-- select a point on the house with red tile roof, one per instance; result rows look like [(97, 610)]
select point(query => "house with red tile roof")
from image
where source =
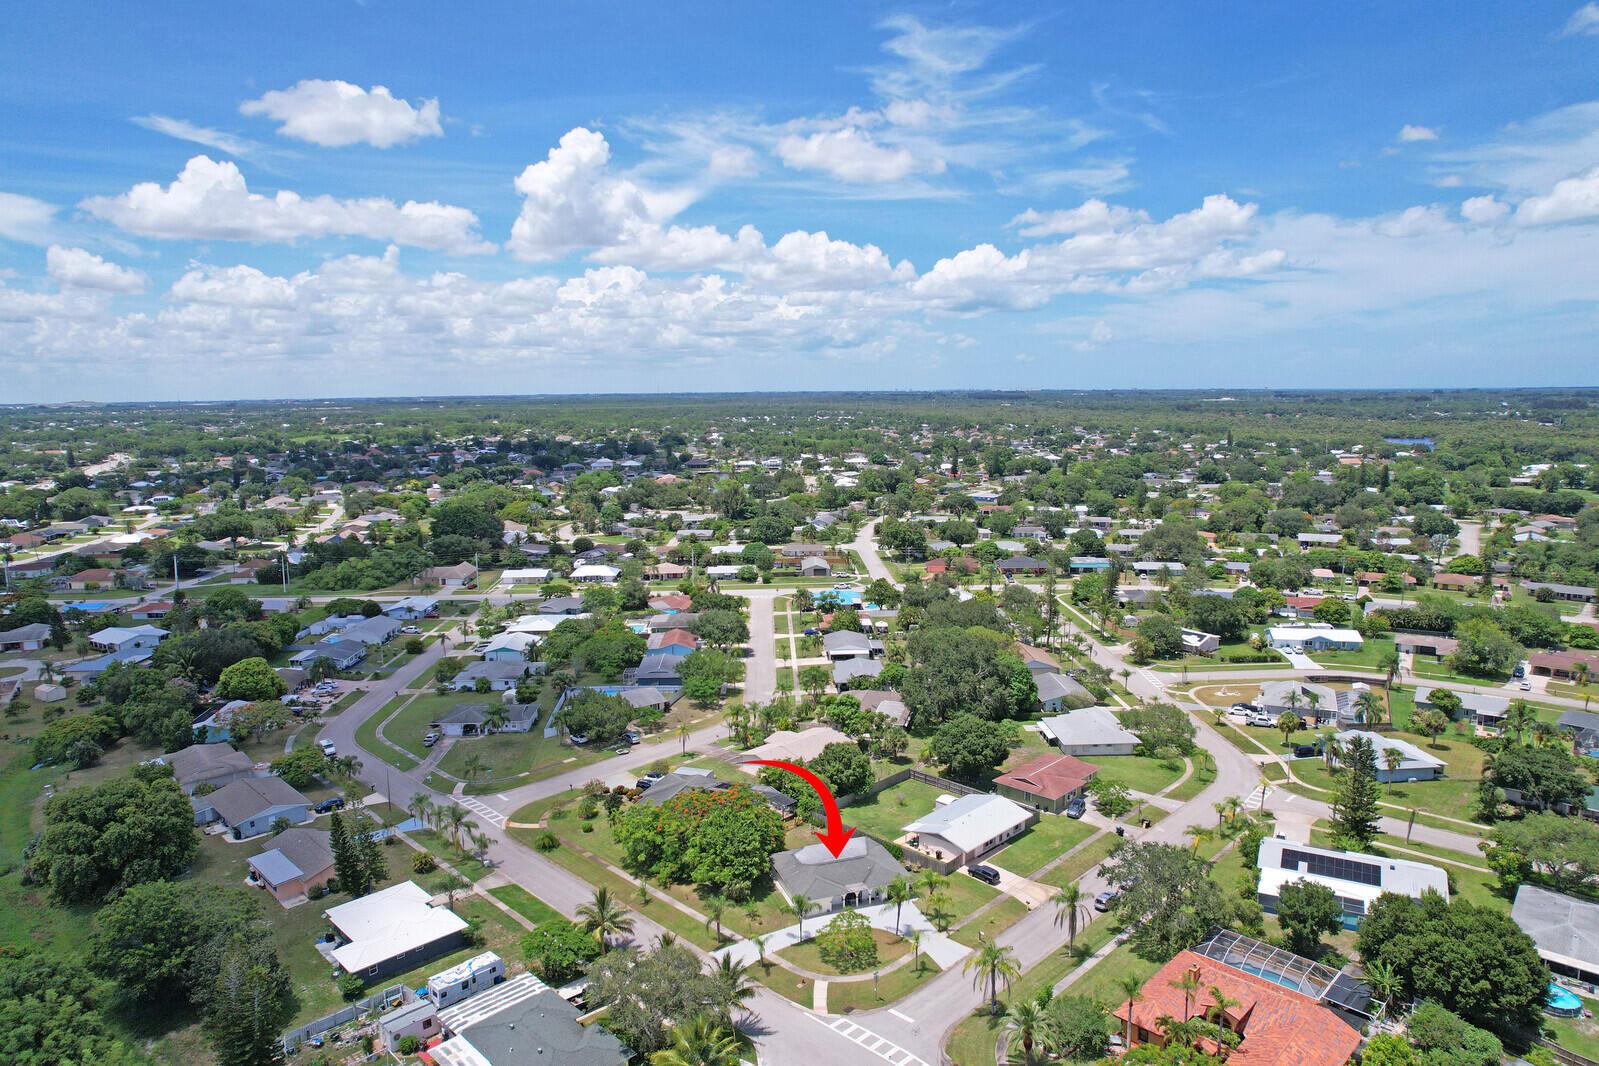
[(1049, 782), (1277, 1025)]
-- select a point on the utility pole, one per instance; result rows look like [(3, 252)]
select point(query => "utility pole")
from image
[(177, 581), (284, 559)]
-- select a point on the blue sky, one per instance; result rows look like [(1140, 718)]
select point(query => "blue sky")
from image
[(246, 200)]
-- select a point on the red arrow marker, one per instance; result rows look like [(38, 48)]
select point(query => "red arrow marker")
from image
[(838, 833)]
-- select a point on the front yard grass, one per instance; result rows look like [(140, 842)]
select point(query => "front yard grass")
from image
[(844, 997), (525, 903), (1053, 835), (998, 918), (1140, 773), (807, 956)]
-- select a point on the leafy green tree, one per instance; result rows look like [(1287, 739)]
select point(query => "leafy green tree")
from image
[(1356, 816), (1543, 776), (560, 950), (124, 832), (1164, 635), (1482, 649), (845, 768), (721, 840), (1077, 1028), (968, 747), (1111, 798), (1166, 897), (595, 715), (302, 766), (1471, 960), (52, 1014), (722, 629), (1386, 1049), (1308, 911), (846, 943), (1562, 851), (158, 940), (1444, 1037), (646, 990), (77, 740)]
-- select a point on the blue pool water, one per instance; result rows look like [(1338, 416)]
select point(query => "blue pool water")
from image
[(1273, 976), (608, 690), (1562, 1002), (90, 606)]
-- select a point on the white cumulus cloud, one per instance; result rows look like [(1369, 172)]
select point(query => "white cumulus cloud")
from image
[(335, 114), (1409, 133), (80, 269), (849, 154), (1483, 210), (209, 200), (1570, 199)]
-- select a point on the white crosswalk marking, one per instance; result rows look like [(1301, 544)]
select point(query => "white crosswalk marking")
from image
[(877, 1045), (482, 810), (1258, 797)]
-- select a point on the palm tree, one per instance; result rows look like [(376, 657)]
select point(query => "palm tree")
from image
[(605, 917), (1132, 990), (914, 939), (1025, 1019), (1543, 733), (1384, 982), (495, 717), (703, 1041), (1582, 682), (715, 906), (1070, 903), (451, 819), (1198, 834), (1389, 665), (898, 892), (992, 963), (1371, 709), (1393, 759), (1517, 718), (929, 881), (473, 767), (759, 940), (420, 808), (1189, 983), (733, 985), (800, 906), (1186, 1033), (1220, 1005)]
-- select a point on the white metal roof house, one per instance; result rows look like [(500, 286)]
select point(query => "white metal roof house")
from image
[(1089, 731), (595, 573), (971, 826), (118, 638), (1314, 638), (1356, 879), (393, 930), (1414, 764)]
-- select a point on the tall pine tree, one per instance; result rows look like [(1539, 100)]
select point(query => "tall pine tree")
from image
[(249, 1004), (373, 868), (346, 859), (1355, 814)]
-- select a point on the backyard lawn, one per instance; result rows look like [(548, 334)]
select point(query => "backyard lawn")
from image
[(1052, 836), (1368, 657), (886, 814)]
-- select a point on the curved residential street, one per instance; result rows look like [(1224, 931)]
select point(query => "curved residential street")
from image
[(912, 1030)]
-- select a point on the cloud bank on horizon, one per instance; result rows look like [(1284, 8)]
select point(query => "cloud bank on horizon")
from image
[(912, 203)]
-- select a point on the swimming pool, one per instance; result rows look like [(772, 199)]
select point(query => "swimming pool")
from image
[(87, 606), (1562, 1003)]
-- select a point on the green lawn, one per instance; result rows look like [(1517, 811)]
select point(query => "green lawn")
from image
[(1138, 772), (525, 903), (843, 997), (886, 814), (366, 735), (992, 922), (1453, 796), (1091, 855), (1052, 836), (1579, 1035), (1369, 657), (806, 955)]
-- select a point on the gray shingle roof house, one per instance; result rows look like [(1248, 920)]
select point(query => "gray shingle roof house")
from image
[(468, 719), (1089, 731), (846, 671), (1566, 930), (249, 806), (691, 779), (846, 644), (501, 674), (855, 878), (518, 1023), (207, 764)]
